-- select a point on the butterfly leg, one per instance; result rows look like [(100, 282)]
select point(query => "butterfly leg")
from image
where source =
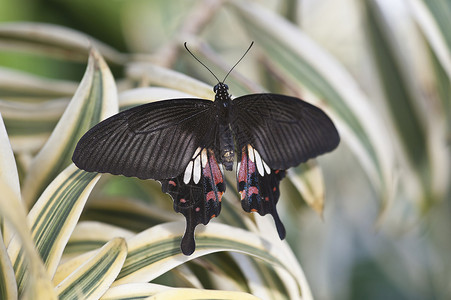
[(258, 186)]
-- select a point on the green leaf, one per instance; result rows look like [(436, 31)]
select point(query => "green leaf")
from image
[(91, 279), (13, 212), (433, 16), (169, 78), (94, 100), (54, 40), (420, 132), (30, 124), (54, 217), (21, 86), (157, 250), (308, 180), (185, 293), (8, 285), (91, 235), (144, 290)]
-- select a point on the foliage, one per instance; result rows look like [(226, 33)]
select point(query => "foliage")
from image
[(90, 236)]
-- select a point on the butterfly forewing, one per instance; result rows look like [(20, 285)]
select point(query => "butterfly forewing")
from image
[(155, 140), (285, 130)]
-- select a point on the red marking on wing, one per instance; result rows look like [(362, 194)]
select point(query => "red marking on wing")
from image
[(210, 196), (214, 177), (182, 200), (212, 168), (242, 172), (172, 182), (253, 190), (250, 191), (246, 167)]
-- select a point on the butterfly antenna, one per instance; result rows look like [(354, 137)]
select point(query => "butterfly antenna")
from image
[(186, 47), (250, 46)]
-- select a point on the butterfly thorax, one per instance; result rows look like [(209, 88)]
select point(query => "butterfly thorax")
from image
[(223, 104)]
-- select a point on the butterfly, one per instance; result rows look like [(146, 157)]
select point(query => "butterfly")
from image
[(186, 144)]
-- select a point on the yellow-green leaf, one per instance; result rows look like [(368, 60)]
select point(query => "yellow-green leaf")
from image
[(308, 179), (152, 74), (157, 250), (94, 100), (53, 218), (13, 212), (154, 291), (8, 285), (53, 39), (94, 277)]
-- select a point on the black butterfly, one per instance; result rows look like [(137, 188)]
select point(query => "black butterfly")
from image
[(186, 144)]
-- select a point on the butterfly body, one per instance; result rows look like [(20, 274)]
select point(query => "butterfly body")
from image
[(186, 144), (223, 104)]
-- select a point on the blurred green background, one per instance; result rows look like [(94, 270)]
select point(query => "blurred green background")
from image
[(364, 248)]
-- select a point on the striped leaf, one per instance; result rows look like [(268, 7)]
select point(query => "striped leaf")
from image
[(92, 278), (157, 250), (433, 16), (94, 100), (170, 79), (53, 218), (420, 133), (21, 86), (55, 40), (8, 285), (30, 124), (13, 212), (144, 290), (308, 180)]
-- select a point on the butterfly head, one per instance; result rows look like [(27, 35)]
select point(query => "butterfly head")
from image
[(221, 88), (222, 92)]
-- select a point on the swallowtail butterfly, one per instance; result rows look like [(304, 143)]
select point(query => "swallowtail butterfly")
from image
[(187, 143)]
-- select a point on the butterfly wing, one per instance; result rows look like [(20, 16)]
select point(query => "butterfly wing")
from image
[(258, 186), (154, 140), (286, 130), (273, 133), (197, 193)]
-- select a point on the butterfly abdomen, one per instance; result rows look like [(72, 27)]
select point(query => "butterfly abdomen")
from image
[(227, 153)]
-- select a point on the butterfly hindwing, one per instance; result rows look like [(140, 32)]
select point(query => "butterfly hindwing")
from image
[(286, 130), (154, 140), (258, 186), (197, 193)]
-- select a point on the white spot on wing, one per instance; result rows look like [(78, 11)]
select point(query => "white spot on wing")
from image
[(188, 173), (204, 158), (196, 172), (267, 168), (258, 161), (196, 152), (238, 166), (250, 151)]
